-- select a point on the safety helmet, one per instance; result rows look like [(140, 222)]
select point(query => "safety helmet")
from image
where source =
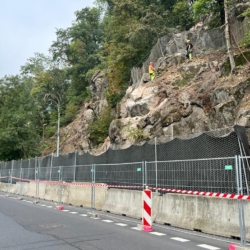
[(188, 41), (151, 63)]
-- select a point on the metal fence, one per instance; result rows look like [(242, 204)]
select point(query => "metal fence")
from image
[(208, 175)]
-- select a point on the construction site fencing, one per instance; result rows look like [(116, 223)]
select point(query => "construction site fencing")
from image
[(197, 163), (208, 175)]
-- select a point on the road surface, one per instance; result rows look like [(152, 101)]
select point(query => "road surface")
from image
[(25, 226)]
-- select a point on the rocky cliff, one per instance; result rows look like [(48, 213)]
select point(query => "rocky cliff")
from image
[(186, 99)]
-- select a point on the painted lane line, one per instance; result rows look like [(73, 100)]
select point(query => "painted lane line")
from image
[(85, 215), (179, 239), (121, 224), (156, 233), (108, 221), (49, 206), (94, 218), (136, 228), (208, 247), (43, 205), (65, 210), (73, 212)]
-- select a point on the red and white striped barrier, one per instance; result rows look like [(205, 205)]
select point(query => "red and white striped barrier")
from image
[(147, 210), (210, 194)]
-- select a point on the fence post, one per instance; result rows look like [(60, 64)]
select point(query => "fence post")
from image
[(59, 186), (156, 167), (21, 170), (146, 176), (12, 166), (8, 189), (143, 173), (37, 180), (75, 166), (240, 202), (93, 188), (51, 164)]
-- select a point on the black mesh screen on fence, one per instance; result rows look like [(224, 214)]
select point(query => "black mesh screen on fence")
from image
[(125, 167), (203, 146)]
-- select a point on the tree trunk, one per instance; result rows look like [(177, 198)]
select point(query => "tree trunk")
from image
[(227, 36)]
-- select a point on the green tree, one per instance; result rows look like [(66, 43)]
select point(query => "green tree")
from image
[(19, 133), (246, 40), (210, 10), (78, 47)]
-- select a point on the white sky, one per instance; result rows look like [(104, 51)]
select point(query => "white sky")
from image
[(29, 26)]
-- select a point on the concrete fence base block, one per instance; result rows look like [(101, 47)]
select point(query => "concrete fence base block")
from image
[(238, 247), (60, 207), (93, 215)]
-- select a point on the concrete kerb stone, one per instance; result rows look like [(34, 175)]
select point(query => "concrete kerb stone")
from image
[(93, 215)]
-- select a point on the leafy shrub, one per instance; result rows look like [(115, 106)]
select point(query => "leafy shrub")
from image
[(70, 114), (98, 128)]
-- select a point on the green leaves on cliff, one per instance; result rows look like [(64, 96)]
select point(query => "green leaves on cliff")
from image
[(98, 127)]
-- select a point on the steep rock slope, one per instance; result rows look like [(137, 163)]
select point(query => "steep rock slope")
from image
[(185, 100)]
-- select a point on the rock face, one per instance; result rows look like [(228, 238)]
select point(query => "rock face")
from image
[(75, 135), (186, 99)]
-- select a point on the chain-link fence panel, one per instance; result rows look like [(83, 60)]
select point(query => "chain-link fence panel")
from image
[(208, 175), (5, 173), (44, 174), (68, 173), (123, 174), (244, 165), (83, 173), (55, 174), (28, 173)]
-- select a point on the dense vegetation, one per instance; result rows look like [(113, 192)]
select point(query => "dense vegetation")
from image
[(112, 36)]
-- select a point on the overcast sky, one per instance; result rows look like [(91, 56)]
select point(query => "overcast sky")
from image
[(29, 26)]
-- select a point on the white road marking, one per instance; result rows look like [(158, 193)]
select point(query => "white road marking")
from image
[(108, 221), (136, 228), (208, 247), (158, 234), (121, 224), (65, 210), (179, 239), (85, 215), (94, 218), (49, 206), (73, 212)]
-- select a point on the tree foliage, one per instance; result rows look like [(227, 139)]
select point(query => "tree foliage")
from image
[(19, 132), (113, 36), (78, 47)]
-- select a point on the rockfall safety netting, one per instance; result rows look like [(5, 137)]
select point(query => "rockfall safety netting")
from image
[(203, 41), (207, 162)]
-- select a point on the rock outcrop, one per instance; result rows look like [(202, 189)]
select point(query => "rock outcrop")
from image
[(187, 98)]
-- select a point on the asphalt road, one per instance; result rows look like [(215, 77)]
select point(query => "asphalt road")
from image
[(26, 226)]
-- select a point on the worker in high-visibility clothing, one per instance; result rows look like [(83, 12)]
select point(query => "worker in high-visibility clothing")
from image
[(189, 50), (151, 71)]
